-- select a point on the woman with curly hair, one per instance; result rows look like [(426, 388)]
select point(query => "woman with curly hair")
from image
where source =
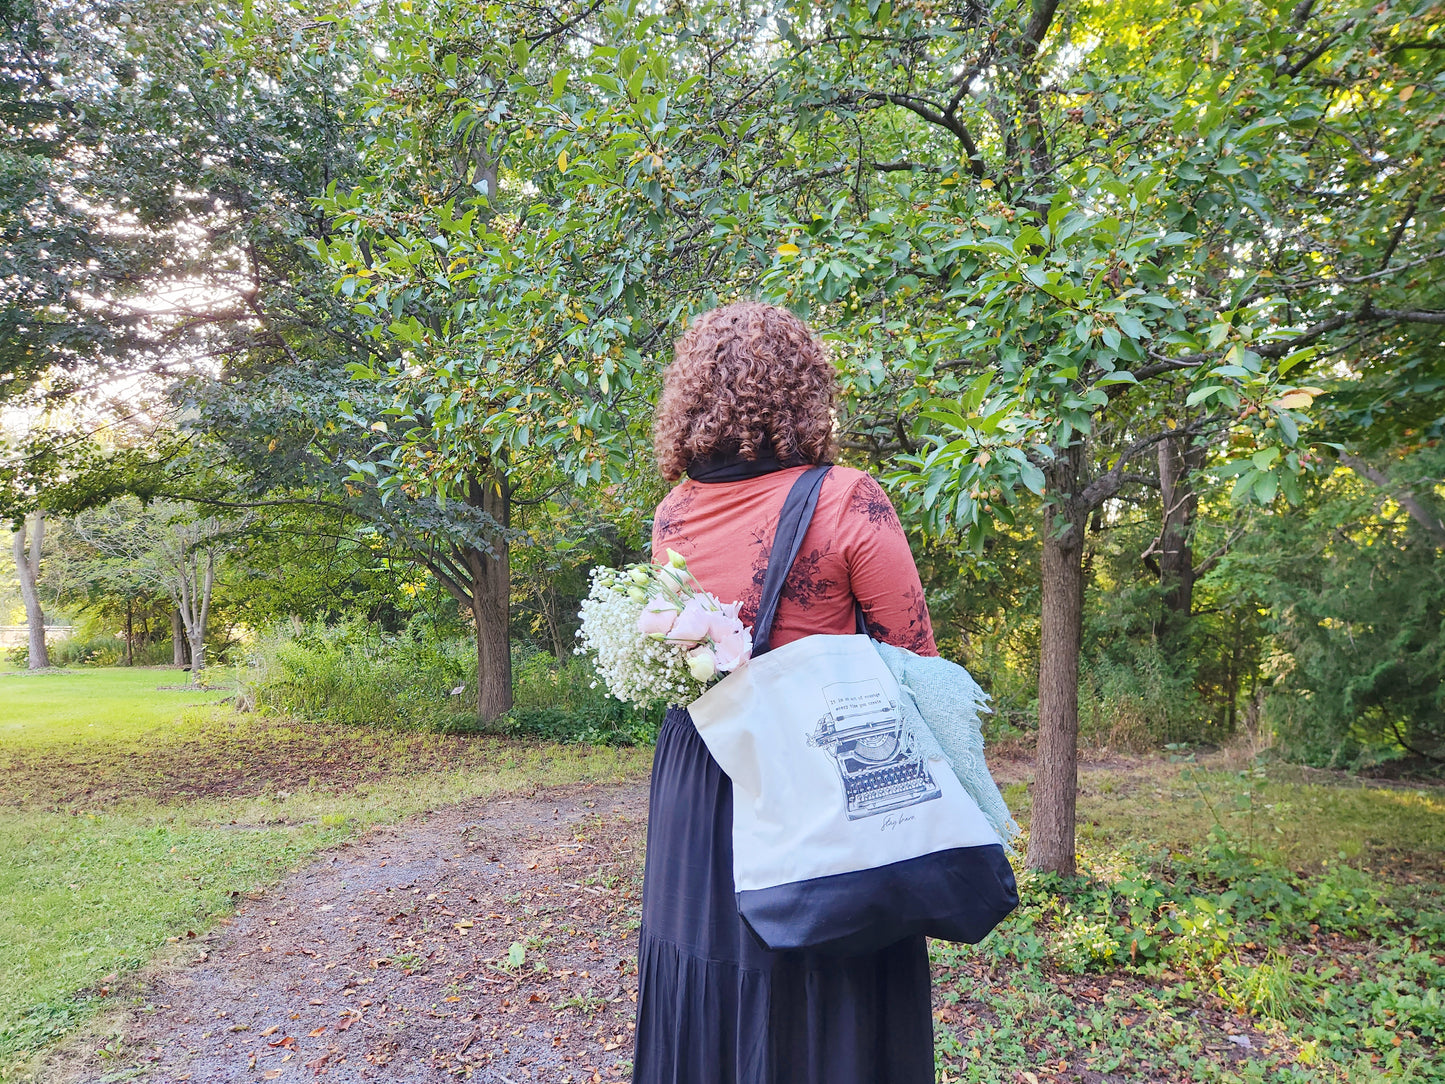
[(747, 406)]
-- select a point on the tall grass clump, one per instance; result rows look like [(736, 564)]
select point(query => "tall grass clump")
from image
[(99, 649), (1134, 699), (351, 673)]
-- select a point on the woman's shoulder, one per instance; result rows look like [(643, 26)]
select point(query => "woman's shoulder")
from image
[(848, 479), (859, 497), (674, 506)]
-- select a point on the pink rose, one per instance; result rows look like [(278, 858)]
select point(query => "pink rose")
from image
[(720, 623), (658, 617)]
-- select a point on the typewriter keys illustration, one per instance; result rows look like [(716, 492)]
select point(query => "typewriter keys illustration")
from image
[(879, 768)]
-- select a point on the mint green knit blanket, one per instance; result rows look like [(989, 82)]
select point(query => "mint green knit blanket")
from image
[(941, 704)]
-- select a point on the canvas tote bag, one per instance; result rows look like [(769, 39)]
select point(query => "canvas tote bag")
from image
[(845, 839)]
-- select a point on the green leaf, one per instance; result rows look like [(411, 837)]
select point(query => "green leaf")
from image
[(1131, 326), (516, 955), (1243, 486), (1032, 478), (1288, 428), (1198, 395), (1265, 487), (977, 390)]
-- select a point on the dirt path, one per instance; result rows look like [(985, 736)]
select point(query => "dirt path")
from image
[(492, 941)]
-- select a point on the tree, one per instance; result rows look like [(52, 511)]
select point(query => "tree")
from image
[(1355, 597), (173, 549), (528, 229), (1056, 245), (108, 590), (65, 273), (269, 118)]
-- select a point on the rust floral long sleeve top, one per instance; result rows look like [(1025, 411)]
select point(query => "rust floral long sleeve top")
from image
[(855, 548)]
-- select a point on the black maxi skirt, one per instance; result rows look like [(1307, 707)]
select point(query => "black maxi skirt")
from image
[(714, 1005)]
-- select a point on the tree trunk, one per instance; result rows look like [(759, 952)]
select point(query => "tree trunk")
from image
[(178, 640), (1233, 677), (491, 600), (129, 631), (560, 650), (1177, 463), (197, 639), (27, 568), (196, 583), (1051, 827)]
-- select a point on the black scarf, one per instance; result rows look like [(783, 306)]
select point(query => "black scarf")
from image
[(731, 467)]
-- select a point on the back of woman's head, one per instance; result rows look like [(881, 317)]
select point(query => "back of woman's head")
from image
[(749, 380)]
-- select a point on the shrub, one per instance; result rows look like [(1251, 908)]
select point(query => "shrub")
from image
[(352, 674), (1134, 699), (564, 702), (159, 653), (101, 649)]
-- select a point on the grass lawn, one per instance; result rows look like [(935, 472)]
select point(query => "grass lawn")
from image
[(131, 815), (50, 709)]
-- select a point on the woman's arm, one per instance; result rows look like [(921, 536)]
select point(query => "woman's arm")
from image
[(881, 570)]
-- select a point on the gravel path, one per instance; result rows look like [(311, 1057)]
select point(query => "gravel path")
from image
[(492, 941)]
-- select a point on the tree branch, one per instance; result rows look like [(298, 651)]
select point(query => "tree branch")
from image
[(446, 575), (1400, 230), (1318, 51), (1164, 365), (939, 115), (1409, 316), (1207, 565), (1434, 526), (1111, 481), (1400, 737), (1037, 28), (1307, 336)]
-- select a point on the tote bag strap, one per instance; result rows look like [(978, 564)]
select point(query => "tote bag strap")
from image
[(797, 513)]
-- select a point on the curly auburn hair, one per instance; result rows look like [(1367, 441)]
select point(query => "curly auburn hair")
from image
[(747, 379)]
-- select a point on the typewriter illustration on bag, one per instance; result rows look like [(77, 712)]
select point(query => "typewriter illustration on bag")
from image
[(864, 733)]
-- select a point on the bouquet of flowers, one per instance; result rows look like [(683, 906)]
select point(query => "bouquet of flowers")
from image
[(655, 634)]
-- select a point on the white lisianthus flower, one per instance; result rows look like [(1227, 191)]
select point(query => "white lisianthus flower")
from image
[(701, 663)]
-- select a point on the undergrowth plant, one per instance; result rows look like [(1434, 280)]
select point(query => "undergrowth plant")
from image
[(352, 674), (1341, 973)]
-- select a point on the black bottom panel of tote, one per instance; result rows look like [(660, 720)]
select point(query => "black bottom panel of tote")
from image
[(954, 895)]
